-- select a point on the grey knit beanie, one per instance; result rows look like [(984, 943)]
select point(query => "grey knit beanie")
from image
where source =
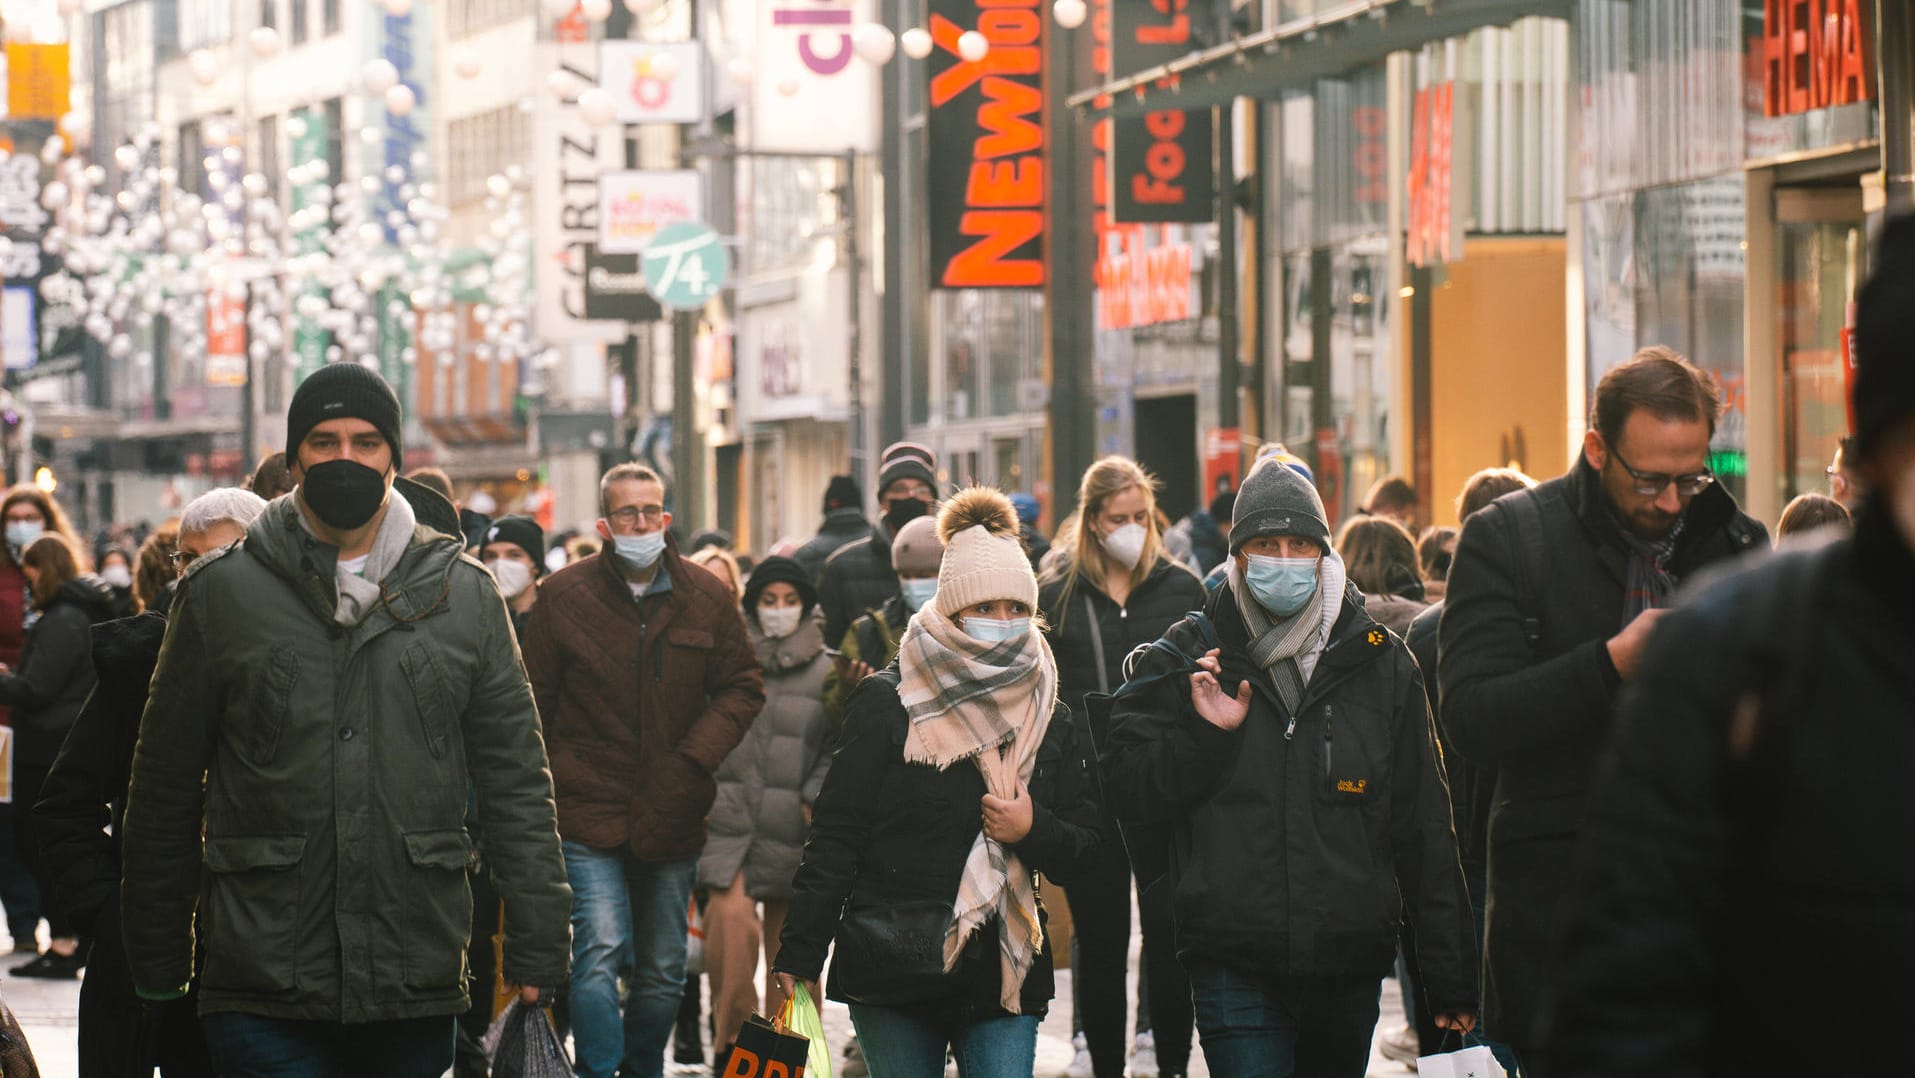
[(1275, 500)]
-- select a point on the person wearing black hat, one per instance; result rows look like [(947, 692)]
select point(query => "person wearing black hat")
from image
[(844, 524), (859, 577), (514, 549), (1744, 905), (327, 691), (1284, 736)]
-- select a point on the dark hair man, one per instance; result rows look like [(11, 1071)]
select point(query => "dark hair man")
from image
[(338, 679), (1551, 599), (859, 577), (645, 680)]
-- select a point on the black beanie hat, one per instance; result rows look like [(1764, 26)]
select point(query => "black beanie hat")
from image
[(780, 570), (908, 460), (843, 493), (1275, 500), (522, 532), (344, 391), (1884, 326)]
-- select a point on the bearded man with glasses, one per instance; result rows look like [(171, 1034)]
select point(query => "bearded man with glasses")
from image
[(1552, 596)]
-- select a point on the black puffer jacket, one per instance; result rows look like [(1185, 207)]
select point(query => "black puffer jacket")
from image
[(56, 670), (1745, 907), (890, 834), (855, 579), (1299, 843), (1168, 593), (841, 526)]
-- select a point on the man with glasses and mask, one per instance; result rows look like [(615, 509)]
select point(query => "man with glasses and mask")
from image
[(328, 690), (859, 576), (645, 680), (1552, 596)]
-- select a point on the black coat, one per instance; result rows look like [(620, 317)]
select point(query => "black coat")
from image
[(855, 579), (1300, 843), (1746, 905), (1472, 784), (888, 833), (841, 526), (1161, 600), (1541, 714), (56, 670)]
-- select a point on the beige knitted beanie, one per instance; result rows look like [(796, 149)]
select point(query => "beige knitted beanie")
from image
[(984, 557)]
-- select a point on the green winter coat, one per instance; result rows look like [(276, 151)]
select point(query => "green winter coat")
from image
[(331, 884)]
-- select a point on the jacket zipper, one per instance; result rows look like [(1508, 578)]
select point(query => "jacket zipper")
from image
[(1327, 741)]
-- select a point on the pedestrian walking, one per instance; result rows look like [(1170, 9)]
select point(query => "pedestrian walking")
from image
[(46, 692), (115, 570), (858, 577), (1380, 559), (1743, 906), (81, 816), (1435, 551), (844, 524), (155, 571), (514, 550), (1202, 539), (271, 477), (1551, 601), (1283, 737), (327, 692), (1809, 512), (646, 681), (1117, 589), (958, 777), (766, 789), (720, 563), (872, 641), (1028, 510), (1395, 498)]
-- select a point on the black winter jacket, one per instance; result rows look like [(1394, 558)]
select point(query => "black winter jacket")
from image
[(886, 833), (1168, 593), (56, 670), (1745, 907), (1300, 842), (856, 578), (1472, 785), (841, 526)]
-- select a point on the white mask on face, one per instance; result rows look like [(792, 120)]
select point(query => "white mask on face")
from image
[(779, 622), (513, 577), (1126, 544), (117, 576)]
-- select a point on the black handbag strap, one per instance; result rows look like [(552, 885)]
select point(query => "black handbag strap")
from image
[(1097, 643)]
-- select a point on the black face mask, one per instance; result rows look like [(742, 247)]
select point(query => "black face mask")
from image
[(903, 511), (343, 493)]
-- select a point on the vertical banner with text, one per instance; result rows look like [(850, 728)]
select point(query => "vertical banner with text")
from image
[(1160, 162), (988, 146)]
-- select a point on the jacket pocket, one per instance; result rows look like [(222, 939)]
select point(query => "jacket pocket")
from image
[(438, 914), (686, 654), (271, 701), (252, 912), (1350, 761), (432, 696)]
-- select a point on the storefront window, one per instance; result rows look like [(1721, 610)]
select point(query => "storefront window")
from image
[(991, 347), (1820, 265)]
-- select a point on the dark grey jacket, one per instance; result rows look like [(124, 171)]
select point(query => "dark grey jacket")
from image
[(841, 526)]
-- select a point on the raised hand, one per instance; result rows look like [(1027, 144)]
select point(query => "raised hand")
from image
[(1218, 708)]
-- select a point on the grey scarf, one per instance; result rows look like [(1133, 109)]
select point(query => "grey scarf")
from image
[(1648, 583), (358, 594), (1287, 649)]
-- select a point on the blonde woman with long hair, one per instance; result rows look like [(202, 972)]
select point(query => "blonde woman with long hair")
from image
[(1112, 589)]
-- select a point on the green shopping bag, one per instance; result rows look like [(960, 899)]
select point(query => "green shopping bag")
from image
[(803, 1018)]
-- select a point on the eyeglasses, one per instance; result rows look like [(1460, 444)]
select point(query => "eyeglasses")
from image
[(627, 517), (1650, 484), (180, 559)]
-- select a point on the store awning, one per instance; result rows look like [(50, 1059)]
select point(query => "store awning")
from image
[(1297, 53)]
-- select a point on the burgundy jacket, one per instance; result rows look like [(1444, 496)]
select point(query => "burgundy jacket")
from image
[(641, 701)]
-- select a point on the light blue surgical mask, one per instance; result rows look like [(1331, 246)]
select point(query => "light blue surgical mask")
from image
[(640, 552), (1282, 586), (993, 631), (918, 593), (22, 533)]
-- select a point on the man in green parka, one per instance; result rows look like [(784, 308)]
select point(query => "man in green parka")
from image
[(337, 679)]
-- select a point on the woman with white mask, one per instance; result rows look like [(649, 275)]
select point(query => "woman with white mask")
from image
[(1115, 589), (765, 790)]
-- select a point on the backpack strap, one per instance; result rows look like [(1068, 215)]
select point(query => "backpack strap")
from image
[(1526, 515), (1097, 645), (871, 645)]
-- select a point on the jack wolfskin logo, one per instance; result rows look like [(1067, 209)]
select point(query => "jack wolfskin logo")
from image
[(1377, 637), (1352, 786)]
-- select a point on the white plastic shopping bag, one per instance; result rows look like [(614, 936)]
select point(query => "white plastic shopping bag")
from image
[(1473, 1061)]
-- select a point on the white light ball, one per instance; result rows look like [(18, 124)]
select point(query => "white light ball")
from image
[(378, 76), (53, 195), (1070, 14), (558, 9), (596, 10), (596, 107), (875, 42), (265, 41), (127, 158), (401, 100), (663, 65), (973, 46), (740, 69), (466, 63), (562, 84), (205, 67), (52, 150), (916, 42), (77, 126), (498, 186)]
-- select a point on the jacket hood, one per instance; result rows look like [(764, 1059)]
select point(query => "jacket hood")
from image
[(418, 585), (125, 651), (783, 654), (91, 594)]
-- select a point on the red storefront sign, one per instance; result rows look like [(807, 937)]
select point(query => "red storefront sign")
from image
[(1144, 286), (988, 146), (1431, 159), (1162, 160), (1816, 54)]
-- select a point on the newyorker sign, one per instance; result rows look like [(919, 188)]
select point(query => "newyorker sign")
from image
[(988, 146)]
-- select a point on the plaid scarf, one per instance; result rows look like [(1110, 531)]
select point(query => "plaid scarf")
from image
[(1288, 649), (1649, 582), (968, 699)]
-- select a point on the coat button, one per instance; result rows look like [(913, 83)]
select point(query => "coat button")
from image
[(345, 733)]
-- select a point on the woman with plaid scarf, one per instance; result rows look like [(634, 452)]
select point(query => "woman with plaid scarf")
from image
[(957, 778)]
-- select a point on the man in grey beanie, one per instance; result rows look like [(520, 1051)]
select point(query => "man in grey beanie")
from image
[(1284, 711)]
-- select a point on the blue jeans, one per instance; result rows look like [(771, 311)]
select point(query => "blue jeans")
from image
[(910, 1044), (628, 920), (1283, 1027), (253, 1046)]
